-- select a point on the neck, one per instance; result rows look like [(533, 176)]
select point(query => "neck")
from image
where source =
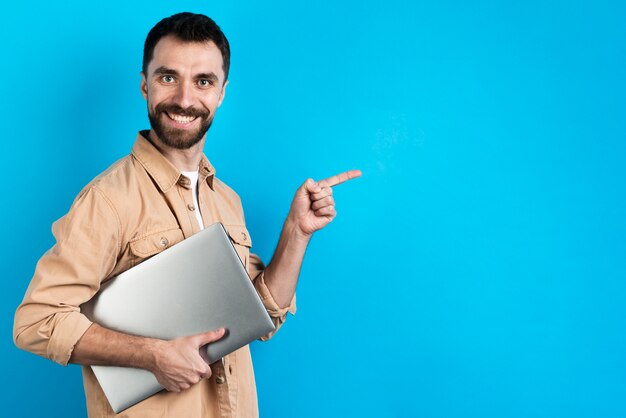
[(183, 159)]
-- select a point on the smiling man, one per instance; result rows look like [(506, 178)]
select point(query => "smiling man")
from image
[(163, 192)]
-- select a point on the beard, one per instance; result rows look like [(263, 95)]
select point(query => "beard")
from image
[(179, 138)]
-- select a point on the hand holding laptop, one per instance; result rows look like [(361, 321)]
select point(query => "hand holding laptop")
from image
[(178, 363)]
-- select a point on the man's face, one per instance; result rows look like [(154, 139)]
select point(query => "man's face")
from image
[(184, 86)]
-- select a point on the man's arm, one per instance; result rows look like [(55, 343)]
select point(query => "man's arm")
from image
[(177, 364), (49, 323), (312, 208)]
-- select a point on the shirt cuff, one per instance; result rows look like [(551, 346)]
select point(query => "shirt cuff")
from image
[(268, 300), (67, 332)]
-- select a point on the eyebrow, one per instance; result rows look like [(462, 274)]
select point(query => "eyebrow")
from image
[(170, 71), (165, 71)]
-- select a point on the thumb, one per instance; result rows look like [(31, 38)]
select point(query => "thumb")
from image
[(209, 337)]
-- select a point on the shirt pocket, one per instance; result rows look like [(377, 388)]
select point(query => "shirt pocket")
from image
[(240, 238), (152, 243)]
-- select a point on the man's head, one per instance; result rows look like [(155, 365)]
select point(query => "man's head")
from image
[(185, 69)]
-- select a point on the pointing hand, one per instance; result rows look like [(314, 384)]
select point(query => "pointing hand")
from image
[(313, 206)]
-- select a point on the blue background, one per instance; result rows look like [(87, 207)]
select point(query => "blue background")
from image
[(477, 269)]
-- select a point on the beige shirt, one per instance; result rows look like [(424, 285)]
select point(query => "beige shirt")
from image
[(132, 211)]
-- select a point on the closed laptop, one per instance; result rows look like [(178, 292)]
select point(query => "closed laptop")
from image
[(197, 285)]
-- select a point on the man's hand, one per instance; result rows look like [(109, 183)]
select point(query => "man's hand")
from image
[(313, 206), (178, 363)]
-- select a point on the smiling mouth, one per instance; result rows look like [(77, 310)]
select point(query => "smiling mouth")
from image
[(180, 118)]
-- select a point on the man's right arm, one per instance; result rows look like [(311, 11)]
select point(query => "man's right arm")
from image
[(177, 364), (49, 322)]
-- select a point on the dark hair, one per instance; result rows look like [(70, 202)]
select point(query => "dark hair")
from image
[(189, 27)]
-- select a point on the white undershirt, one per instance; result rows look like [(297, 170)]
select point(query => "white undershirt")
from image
[(193, 176)]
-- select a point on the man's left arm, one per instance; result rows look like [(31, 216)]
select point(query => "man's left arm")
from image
[(312, 209)]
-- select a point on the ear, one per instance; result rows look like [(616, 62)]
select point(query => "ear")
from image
[(143, 86), (222, 94)]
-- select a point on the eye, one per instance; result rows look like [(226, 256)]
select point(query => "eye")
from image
[(203, 82), (167, 79)]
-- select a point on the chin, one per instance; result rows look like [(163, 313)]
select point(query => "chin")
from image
[(179, 138)]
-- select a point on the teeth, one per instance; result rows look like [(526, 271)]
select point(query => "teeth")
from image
[(181, 119)]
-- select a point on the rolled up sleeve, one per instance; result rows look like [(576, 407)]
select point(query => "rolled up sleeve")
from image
[(48, 322), (277, 314)]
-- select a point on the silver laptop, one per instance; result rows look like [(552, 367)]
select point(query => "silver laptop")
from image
[(197, 285)]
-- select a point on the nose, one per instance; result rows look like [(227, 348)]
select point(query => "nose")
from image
[(184, 95)]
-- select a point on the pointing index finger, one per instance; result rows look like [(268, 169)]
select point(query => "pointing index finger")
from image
[(341, 178)]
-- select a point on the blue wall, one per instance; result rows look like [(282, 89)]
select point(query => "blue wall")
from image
[(477, 269)]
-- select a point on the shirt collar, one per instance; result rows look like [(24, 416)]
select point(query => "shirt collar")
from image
[(164, 173)]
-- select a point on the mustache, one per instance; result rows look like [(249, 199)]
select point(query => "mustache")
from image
[(173, 108)]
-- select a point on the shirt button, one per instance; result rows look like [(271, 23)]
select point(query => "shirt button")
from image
[(163, 242), (245, 237), (191, 207), (219, 380)]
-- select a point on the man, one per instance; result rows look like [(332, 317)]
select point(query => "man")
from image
[(162, 193)]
